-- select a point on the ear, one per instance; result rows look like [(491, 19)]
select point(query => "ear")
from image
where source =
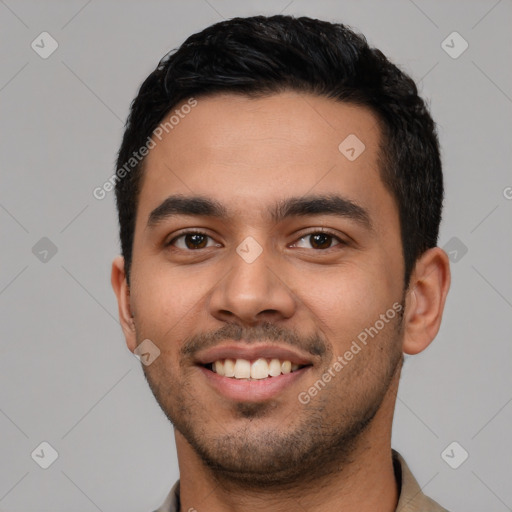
[(122, 291), (425, 299)]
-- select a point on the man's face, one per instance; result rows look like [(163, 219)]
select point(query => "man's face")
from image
[(269, 272)]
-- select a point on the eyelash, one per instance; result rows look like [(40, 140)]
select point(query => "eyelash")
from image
[(305, 235)]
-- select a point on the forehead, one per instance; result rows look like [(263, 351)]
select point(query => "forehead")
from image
[(249, 153)]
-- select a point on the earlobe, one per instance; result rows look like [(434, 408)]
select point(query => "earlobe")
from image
[(425, 300), (122, 291)]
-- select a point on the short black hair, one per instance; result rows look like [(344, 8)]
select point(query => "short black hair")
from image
[(261, 55)]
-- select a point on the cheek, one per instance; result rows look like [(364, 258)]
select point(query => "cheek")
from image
[(166, 300), (344, 300)]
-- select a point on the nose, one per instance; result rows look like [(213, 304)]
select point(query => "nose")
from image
[(253, 291)]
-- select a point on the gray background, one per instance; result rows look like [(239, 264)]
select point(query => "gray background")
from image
[(66, 375)]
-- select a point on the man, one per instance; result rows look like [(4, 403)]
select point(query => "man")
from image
[(279, 190)]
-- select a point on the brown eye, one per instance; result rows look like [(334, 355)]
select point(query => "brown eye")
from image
[(318, 240), (196, 241), (192, 241)]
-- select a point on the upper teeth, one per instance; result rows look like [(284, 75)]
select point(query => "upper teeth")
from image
[(259, 369)]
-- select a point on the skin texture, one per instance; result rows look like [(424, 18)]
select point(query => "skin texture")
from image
[(276, 454)]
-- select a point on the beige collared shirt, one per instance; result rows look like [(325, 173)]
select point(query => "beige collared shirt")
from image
[(411, 499)]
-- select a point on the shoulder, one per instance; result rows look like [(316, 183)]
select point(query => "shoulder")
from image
[(411, 498), (172, 501)]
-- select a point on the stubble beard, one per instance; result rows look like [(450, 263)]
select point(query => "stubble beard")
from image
[(323, 442)]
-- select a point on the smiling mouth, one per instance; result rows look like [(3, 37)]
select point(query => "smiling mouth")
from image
[(259, 369)]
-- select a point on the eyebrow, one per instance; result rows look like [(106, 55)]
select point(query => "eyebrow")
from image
[(331, 204)]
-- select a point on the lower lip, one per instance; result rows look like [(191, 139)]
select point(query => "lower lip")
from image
[(252, 390)]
